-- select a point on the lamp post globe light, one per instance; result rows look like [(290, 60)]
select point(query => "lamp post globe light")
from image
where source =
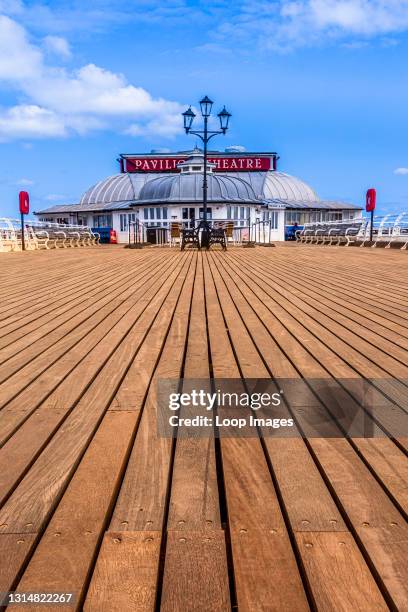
[(205, 135)]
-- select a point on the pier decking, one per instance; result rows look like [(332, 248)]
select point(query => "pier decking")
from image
[(95, 503)]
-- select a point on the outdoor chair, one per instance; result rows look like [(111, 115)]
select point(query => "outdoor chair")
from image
[(175, 233)]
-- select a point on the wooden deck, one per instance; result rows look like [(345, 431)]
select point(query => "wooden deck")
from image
[(94, 502)]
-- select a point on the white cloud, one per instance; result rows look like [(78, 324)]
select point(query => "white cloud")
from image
[(24, 182), (166, 126), (286, 24), (11, 7), (58, 46), (30, 120), (59, 101), (19, 59), (358, 16), (55, 197), (401, 171), (93, 90)]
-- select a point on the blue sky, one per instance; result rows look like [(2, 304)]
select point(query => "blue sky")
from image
[(322, 82)]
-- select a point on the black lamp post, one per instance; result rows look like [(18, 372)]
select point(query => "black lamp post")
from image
[(205, 135)]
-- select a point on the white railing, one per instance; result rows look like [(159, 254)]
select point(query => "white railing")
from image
[(43, 235), (388, 230)]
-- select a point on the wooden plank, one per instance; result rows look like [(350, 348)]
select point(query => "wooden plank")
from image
[(300, 507), (387, 546), (379, 273), (66, 319), (194, 503), (77, 525), (356, 345), (367, 507), (124, 556), (342, 584), (317, 361), (35, 284), (319, 484), (104, 334), (33, 314), (85, 507), (294, 469), (142, 499), (390, 466), (309, 505), (333, 283), (336, 302), (25, 445), (14, 549), (263, 579), (195, 571), (252, 504), (75, 329), (195, 576), (40, 487)]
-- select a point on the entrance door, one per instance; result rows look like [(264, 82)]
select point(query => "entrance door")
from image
[(151, 235), (189, 217)]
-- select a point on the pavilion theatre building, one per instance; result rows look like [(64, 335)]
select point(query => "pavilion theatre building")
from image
[(159, 188)]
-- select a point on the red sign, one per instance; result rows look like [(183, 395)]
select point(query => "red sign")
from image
[(371, 199), (222, 164), (24, 200)]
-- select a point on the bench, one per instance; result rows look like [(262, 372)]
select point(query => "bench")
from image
[(336, 233), (44, 235), (8, 236), (217, 235), (189, 236)]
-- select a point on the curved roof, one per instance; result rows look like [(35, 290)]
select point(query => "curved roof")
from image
[(116, 188), (189, 188), (238, 186), (279, 185)]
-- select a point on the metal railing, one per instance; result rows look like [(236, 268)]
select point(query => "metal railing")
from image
[(43, 235), (387, 230), (258, 232)]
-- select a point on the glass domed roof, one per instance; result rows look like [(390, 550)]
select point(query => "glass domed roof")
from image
[(188, 187), (279, 185)]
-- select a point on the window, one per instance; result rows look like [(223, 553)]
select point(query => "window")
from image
[(126, 220), (157, 216), (102, 221), (274, 219), (209, 213)]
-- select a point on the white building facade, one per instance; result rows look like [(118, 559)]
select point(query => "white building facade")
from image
[(159, 188)]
